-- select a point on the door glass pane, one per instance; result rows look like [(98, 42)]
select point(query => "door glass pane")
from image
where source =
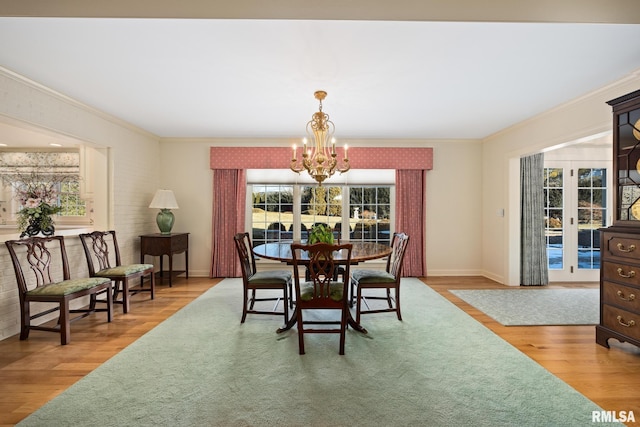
[(591, 215), (554, 213)]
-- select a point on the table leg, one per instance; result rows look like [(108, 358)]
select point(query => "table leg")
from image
[(186, 263), (170, 268), (290, 323)]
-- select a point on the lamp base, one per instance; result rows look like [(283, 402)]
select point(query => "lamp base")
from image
[(165, 220)]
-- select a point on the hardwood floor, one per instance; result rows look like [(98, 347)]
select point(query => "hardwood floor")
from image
[(34, 371)]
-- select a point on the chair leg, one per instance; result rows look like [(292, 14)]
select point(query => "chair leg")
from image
[(398, 303), (152, 277), (285, 305), (343, 331), (389, 300), (26, 320), (244, 305), (300, 331), (358, 304), (65, 326), (109, 304), (253, 299), (351, 285), (125, 295)]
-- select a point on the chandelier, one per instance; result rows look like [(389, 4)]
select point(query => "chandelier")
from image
[(320, 160)]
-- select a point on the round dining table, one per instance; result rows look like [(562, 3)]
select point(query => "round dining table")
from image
[(360, 252)]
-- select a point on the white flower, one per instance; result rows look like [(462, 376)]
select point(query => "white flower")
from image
[(32, 203)]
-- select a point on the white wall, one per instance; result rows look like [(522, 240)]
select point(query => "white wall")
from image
[(581, 119), (133, 158)]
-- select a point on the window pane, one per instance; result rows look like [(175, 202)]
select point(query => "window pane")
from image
[(321, 205), (370, 209), (272, 213)]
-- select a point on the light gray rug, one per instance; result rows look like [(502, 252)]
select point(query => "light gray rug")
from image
[(201, 367), (535, 306)]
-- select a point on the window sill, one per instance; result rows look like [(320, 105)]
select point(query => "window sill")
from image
[(9, 232)]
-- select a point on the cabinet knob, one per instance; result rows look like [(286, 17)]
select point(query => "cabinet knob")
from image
[(628, 275), (621, 248), (631, 297)]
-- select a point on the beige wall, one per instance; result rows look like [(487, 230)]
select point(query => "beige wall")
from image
[(581, 119)]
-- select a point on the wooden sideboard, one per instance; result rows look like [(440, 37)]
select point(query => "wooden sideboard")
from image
[(159, 244)]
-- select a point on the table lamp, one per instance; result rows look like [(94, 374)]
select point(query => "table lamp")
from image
[(164, 200)]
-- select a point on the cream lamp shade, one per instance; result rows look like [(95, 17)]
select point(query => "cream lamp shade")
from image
[(164, 200)]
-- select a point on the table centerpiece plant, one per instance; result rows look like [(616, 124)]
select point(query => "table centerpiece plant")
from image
[(320, 233)]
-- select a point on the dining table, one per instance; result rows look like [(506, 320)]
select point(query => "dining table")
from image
[(360, 252)]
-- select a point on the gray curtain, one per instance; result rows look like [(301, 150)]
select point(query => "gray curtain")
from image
[(533, 246)]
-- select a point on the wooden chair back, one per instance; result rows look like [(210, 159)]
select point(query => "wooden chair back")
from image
[(38, 261), (245, 255), (101, 249), (322, 291), (398, 250)]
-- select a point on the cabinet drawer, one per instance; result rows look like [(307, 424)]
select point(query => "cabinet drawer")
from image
[(622, 296), (621, 321), (621, 273), (622, 247), (180, 242)]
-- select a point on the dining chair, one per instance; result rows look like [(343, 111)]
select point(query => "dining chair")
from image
[(321, 292), (103, 259), (42, 272), (375, 279), (253, 281)]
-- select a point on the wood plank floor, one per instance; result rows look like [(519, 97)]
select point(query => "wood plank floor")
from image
[(33, 372)]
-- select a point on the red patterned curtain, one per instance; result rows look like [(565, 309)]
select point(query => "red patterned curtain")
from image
[(229, 194), (411, 218)]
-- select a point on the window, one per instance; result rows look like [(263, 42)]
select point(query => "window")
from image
[(60, 169), (69, 199), (286, 212)]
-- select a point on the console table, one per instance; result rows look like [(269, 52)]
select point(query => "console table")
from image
[(159, 244)]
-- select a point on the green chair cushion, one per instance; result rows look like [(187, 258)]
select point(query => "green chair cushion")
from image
[(124, 270), (276, 276), (372, 276), (67, 287), (335, 291)]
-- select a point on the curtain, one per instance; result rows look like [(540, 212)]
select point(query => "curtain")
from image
[(229, 193), (411, 218), (533, 247)]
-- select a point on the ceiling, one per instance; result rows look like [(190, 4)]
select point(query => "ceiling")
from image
[(420, 75)]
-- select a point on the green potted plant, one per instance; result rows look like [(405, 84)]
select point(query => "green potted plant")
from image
[(320, 233)]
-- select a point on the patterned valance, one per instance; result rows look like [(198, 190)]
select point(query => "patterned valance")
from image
[(360, 158)]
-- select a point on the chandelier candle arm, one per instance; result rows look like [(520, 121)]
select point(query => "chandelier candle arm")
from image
[(320, 161)]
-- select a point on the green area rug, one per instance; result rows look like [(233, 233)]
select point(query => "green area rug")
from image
[(201, 367), (533, 306)]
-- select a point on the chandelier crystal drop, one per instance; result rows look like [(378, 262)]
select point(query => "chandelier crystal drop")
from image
[(319, 160)]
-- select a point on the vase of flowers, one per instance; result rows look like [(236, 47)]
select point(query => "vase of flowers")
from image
[(38, 201)]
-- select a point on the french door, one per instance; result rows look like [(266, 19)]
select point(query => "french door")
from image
[(576, 206)]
